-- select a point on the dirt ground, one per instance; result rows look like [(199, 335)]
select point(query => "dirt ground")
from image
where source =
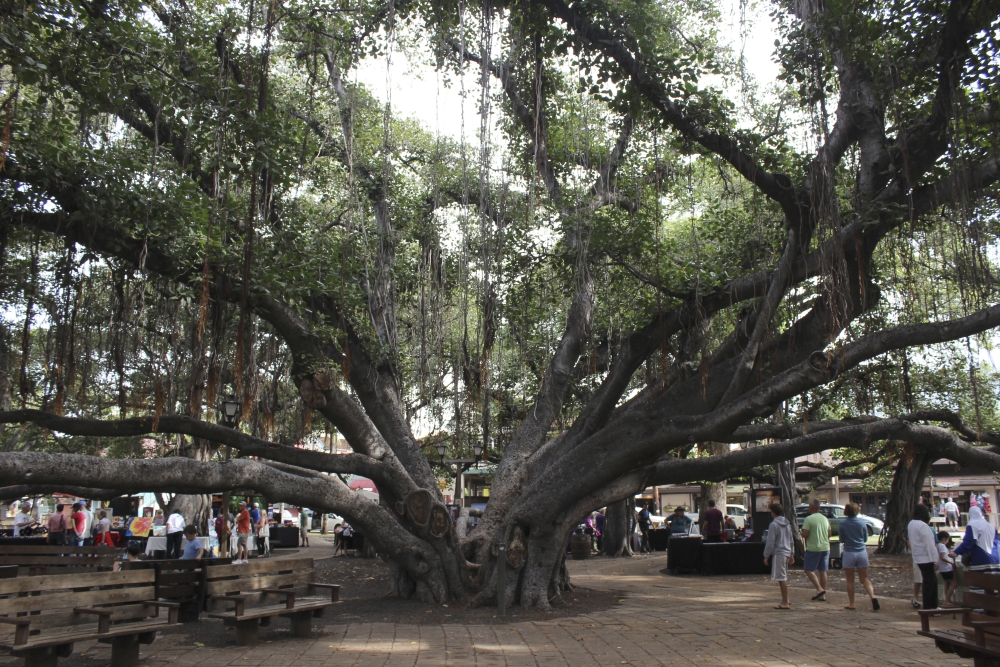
[(892, 577)]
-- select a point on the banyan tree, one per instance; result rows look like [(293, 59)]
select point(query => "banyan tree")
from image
[(630, 254)]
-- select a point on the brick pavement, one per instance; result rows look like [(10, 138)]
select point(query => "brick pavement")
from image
[(676, 621)]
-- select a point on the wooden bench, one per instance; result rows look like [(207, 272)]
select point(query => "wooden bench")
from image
[(46, 559), (180, 581), (41, 617), (253, 593), (979, 636)]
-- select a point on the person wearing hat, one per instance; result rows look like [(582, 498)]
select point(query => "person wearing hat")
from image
[(23, 522), (680, 524)]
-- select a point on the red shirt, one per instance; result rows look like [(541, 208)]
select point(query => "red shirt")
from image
[(243, 522), (79, 522)]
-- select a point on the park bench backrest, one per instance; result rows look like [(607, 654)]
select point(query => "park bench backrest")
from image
[(250, 579), (46, 559), (177, 579), (49, 601), (988, 600)]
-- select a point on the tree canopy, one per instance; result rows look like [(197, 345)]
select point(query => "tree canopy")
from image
[(633, 248)]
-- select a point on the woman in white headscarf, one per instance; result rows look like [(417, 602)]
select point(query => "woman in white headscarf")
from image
[(981, 543)]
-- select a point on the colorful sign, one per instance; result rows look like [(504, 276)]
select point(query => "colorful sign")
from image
[(946, 482), (140, 526)]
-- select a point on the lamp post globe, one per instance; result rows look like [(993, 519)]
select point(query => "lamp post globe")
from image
[(230, 410), (442, 449), (477, 449)]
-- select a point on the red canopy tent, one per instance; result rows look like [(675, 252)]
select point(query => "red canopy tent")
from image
[(363, 484)]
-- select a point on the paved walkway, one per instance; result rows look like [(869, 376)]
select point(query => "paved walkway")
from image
[(663, 621)]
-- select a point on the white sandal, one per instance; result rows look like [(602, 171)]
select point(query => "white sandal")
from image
[(916, 603)]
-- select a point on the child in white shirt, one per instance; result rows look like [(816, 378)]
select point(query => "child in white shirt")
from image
[(947, 568)]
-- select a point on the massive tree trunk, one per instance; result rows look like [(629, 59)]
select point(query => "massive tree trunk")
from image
[(904, 494), (618, 529)]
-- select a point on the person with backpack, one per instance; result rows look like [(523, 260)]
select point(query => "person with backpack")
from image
[(56, 526)]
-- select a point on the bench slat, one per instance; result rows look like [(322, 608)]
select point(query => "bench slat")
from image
[(70, 619), (68, 561), (259, 582), (69, 600), (45, 550), (56, 581), (956, 638), (260, 566), (40, 641), (274, 610)]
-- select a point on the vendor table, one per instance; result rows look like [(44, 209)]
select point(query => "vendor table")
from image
[(733, 558), (284, 537), (659, 539), (160, 544), (684, 554)]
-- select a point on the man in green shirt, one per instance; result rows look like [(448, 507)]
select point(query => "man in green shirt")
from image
[(816, 531)]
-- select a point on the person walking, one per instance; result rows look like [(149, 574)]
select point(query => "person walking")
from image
[(56, 526), (951, 513), (242, 535), (263, 531), (946, 566), (923, 549), (304, 526), (779, 552), (223, 530), (175, 534), (816, 532), (711, 524), (643, 520), (980, 544), (599, 527), (853, 534)]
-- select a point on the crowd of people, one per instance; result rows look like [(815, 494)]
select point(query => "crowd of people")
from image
[(779, 552), (932, 553)]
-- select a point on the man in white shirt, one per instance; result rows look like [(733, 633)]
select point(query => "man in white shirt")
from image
[(175, 534), (23, 520), (951, 513), (88, 540)]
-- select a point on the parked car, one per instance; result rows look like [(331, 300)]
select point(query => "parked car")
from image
[(332, 521), (835, 514)]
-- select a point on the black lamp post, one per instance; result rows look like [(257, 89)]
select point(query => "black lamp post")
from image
[(230, 411), (478, 449)]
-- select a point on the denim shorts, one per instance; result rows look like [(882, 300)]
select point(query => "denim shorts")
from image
[(855, 559), (817, 561)]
